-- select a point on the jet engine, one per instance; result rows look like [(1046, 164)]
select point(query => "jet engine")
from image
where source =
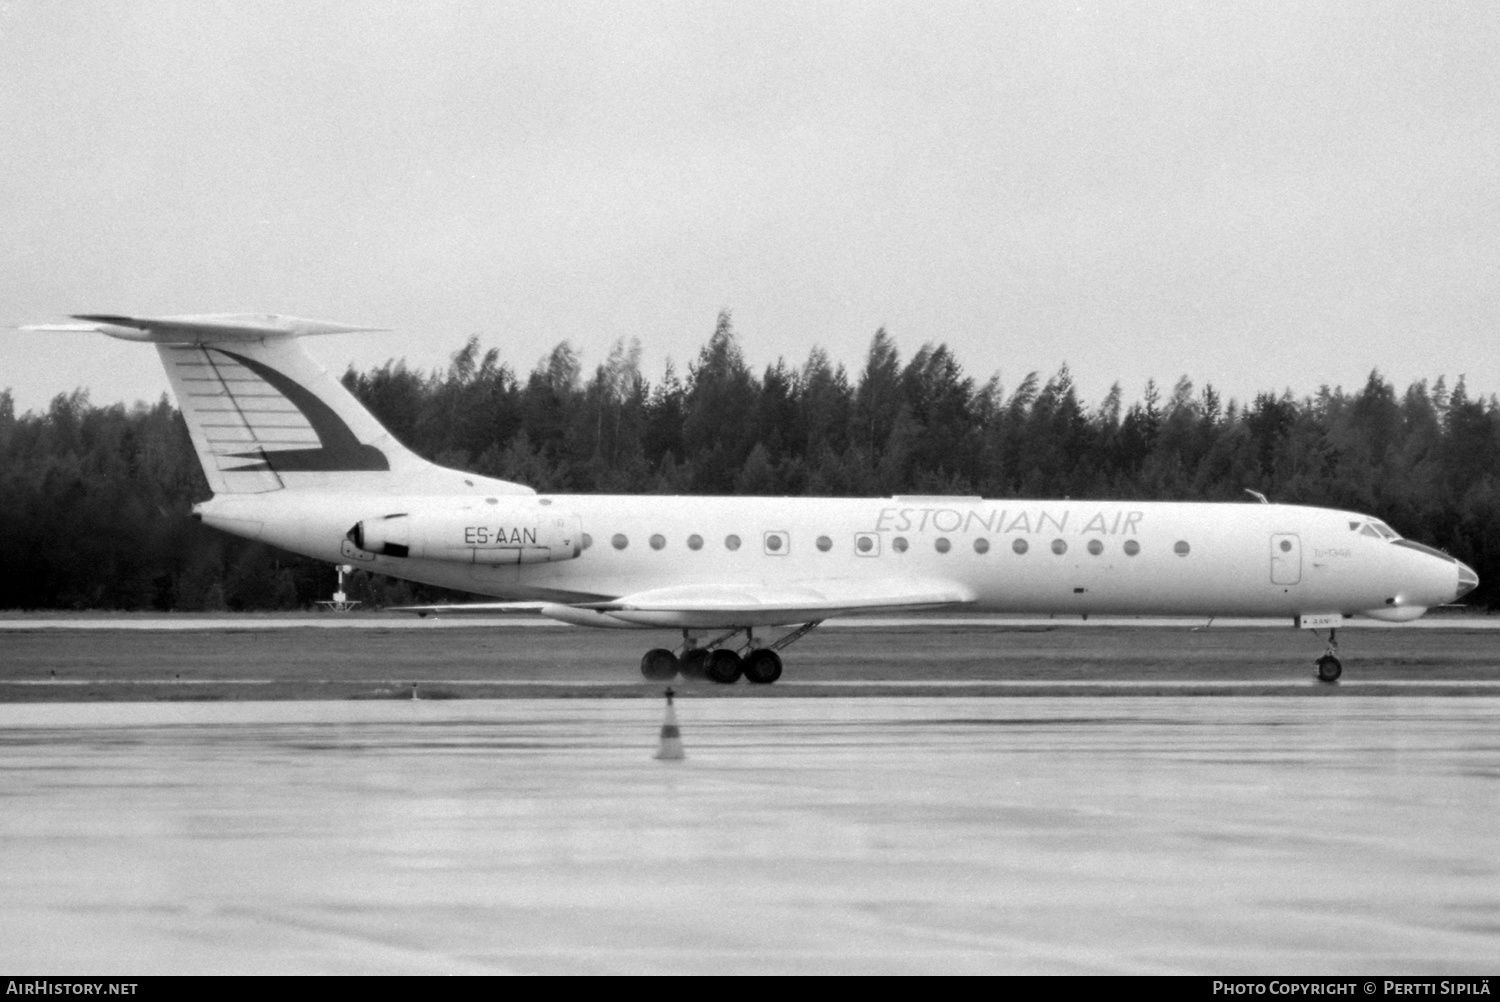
[(477, 534)]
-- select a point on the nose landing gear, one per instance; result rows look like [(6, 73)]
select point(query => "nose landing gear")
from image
[(1329, 666)]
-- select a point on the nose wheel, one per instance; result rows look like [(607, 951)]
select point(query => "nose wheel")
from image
[(1329, 665)]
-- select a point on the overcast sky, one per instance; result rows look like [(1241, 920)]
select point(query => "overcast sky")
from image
[(1258, 195)]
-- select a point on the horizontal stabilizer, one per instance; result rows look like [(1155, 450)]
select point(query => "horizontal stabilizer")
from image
[(206, 328)]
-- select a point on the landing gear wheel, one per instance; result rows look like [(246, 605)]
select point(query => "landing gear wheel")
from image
[(763, 666), (724, 667), (693, 663), (659, 665), (1329, 668)]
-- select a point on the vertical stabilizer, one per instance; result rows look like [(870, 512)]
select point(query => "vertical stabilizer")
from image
[(265, 416)]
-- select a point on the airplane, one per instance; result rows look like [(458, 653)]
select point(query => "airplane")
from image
[(294, 460)]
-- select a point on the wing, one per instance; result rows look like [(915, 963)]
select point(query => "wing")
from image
[(472, 608), (571, 614), (754, 604), (706, 606)]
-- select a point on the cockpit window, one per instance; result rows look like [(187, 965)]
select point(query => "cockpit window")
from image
[(1374, 528)]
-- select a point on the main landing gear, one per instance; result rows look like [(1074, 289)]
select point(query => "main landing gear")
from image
[(720, 660), (1329, 666)]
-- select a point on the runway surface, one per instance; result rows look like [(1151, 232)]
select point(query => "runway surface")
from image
[(246, 661), (913, 796), (880, 835)]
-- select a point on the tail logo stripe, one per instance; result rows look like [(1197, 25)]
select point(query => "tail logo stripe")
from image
[(338, 448), (257, 422)]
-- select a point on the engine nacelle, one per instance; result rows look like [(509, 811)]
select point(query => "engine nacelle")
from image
[(528, 533)]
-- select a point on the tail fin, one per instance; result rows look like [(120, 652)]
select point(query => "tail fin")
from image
[(264, 416)]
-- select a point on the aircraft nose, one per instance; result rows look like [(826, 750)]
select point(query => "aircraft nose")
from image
[(1467, 581)]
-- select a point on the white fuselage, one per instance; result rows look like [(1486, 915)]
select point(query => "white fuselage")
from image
[(295, 460), (1080, 557)]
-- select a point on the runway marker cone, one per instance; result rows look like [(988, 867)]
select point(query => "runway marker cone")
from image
[(670, 749)]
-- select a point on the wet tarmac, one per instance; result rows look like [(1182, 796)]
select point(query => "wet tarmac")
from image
[(250, 661), (887, 834)]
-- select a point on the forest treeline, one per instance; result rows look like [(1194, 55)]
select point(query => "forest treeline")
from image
[(96, 499)]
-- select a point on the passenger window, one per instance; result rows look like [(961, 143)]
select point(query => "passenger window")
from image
[(981, 545), (1132, 547), (1059, 547), (1019, 546), (942, 544), (658, 541), (825, 544), (1181, 548), (899, 544), (1096, 547), (867, 544), (776, 543), (732, 542), (587, 540), (619, 541), (695, 542)]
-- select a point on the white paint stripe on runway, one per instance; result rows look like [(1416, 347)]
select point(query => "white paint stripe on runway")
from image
[(792, 683), (1148, 684), (143, 681)]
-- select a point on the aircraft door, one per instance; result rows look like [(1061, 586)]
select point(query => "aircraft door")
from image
[(1286, 558)]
